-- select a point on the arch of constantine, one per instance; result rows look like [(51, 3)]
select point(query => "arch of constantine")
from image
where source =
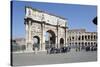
[(38, 23)]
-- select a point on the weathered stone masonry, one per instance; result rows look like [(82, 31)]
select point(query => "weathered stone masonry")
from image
[(38, 22)]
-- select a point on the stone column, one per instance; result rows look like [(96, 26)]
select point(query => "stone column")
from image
[(57, 37), (56, 44), (26, 33), (65, 36), (80, 37), (28, 36), (43, 37), (90, 38), (83, 39), (30, 39), (93, 38)]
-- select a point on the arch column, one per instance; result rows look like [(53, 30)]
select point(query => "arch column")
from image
[(43, 37), (56, 44), (28, 35), (90, 38), (65, 36), (57, 36)]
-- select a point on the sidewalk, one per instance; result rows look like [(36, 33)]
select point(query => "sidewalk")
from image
[(38, 52)]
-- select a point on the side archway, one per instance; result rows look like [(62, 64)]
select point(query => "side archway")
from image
[(61, 42), (36, 42)]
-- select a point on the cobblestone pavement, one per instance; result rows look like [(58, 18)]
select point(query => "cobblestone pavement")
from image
[(20, 59)]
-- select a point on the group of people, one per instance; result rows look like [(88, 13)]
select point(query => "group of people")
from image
[(86, 48), (91, 48), (53, 50)]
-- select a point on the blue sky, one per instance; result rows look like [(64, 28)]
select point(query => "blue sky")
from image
[(78, 16)]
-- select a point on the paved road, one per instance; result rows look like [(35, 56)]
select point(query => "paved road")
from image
[(20, 59)]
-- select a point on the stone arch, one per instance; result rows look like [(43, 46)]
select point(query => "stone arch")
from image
[(91, 43), (85, 43), (49, 23), (85, 37), (79, 38), (70, 44), (95, 37), (88, 43), (75, 43), (52, 28), (82, 37), (88, 37), (91, 37), (82, 43), (61, 42), (72, 37), (36, 42), (51, 38), (79, 43)]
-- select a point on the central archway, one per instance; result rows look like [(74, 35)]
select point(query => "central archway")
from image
[(50, 39)]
